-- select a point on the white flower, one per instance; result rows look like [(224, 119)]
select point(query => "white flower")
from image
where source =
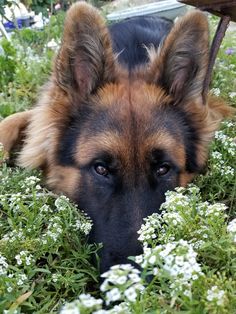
[(134, 278), (188, 293), (216, 91), (62, 203), (3, 265), (216, 295), (152, 259), (231, 228), (138, 259), (232, 95), (131, 294), (121, 280), (113, 295), (55, 277), (179, 260)]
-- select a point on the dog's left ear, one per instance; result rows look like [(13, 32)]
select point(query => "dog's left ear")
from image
[(180, 65), (85, 60)]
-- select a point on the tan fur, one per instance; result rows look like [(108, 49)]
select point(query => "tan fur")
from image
[(11, 130), (207, 119), (62, 179)]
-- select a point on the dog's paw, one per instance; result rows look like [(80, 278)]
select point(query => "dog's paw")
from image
[(12, 132)]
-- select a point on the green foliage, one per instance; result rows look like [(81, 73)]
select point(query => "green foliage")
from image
[(26, 64), (7, 63), (42, 238), (219, 183), (41, 6)]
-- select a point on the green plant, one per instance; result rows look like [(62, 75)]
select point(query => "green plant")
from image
[(44, 256), (7, 63)]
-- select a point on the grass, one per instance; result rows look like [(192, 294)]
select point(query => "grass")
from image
[(45, 260)]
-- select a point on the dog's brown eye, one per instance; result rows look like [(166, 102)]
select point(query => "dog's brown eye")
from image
[(163, 169), (101, 170)]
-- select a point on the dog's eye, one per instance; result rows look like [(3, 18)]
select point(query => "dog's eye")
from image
[(101, 170), (163, 169)]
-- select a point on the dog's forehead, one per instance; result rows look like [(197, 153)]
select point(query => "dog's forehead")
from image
[(136, 95), (136, 111)]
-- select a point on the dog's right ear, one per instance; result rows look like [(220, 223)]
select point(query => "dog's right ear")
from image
[(85, 60), (181, 64)]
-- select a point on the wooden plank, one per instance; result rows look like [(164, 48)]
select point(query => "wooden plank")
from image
[(218, 7)]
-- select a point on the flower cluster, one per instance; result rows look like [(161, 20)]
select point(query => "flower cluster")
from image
[(175, 262), (62, 203), (3, 265), (16, 235), (122, 282), (226, 141), (31, 181), (183, 216), (206, 210), (149, 230), (85, 302), (88, 304), (215, 295), (54, 230), (83, 223), (24, 258), (21, 278)]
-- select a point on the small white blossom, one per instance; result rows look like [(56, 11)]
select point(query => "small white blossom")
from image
[(131, 294), (215, 91), (3, 265), (231, 228), (113, 295), (232, 95), (216, 295)]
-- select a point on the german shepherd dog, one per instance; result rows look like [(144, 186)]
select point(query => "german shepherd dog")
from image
[(118, 124)]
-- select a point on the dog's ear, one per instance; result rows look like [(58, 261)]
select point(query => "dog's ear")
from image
[(181, 63), (85, 60)]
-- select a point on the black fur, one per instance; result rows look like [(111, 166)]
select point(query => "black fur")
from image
[(131, 36)]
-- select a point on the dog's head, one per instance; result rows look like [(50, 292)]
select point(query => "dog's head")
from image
[(114, 141)]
